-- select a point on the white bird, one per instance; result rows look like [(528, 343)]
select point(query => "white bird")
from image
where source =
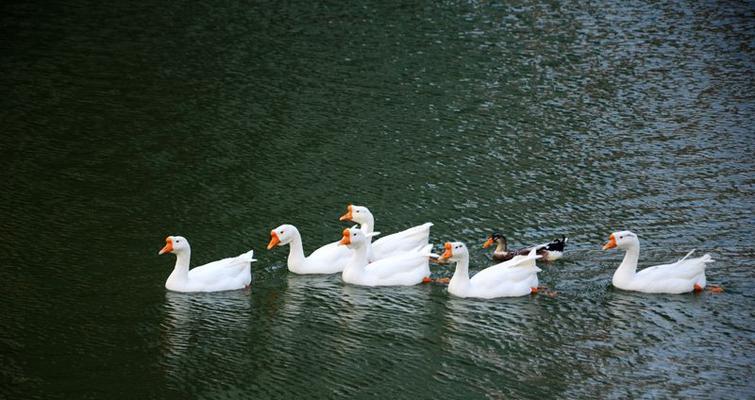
[(404, 269), (227, 274), (516, 277), (685, 275), (412, 239), (328, 259)]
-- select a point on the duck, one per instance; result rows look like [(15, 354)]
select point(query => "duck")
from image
[(412, 239), (227, 274), (328, 259), (683, 276), (403, 269), (550, 251), (513, 278)]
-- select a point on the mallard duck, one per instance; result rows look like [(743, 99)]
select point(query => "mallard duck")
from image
[(549, 251)]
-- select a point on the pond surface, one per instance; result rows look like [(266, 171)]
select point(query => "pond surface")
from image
[(125, 122)]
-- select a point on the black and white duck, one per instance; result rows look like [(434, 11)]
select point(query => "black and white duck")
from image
[(550, 251)]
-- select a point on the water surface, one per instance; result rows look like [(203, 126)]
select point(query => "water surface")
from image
[(127, 122)]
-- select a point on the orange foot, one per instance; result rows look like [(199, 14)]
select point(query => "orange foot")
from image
[(426, 279), (698, 288), (715, 289), (443, 280), (534, 290)]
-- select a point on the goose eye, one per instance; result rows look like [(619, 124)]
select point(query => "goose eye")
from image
[(281, 232)]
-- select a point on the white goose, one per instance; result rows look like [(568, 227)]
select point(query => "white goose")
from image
[(227, 274), (328, 259), (412, 239), (682, 276), (404, 269), (516, 277)]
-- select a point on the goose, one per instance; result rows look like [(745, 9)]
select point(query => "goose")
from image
[(412, 239), (404, 269), (550, 251), (227, 274), (513, 278), (685, 275), (328, 259)]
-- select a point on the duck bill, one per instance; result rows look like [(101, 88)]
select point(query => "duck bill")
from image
[(347, 216), (274, 240), (487, 243), (611, 243), (448, 253), (168, 247), (346, 239)]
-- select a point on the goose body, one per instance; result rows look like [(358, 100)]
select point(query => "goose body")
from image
[(513, 278), (403, 269), (413, 239), (227, 274), (685, 275), (328, 259), (549, 251)]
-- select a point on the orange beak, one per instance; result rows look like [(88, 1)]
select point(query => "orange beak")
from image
[(611, 243), (168, 246), (273, 240), (448, 253), (487, 243), (346, 239), (347, 216)]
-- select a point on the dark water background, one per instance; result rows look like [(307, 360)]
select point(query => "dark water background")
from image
[(125, 122)]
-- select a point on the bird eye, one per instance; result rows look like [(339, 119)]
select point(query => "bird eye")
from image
[(621, 237)]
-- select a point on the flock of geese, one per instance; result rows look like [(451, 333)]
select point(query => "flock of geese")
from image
[(402, 259)]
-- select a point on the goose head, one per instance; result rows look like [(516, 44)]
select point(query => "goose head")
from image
[(358, 214), (455, 251), (354, 237), (282, 235), (175, 245), (495, 238), (621, 240)]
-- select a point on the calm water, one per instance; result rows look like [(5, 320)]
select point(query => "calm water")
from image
[(124, 123)]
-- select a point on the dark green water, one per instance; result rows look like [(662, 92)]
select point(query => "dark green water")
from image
[(125, 122)]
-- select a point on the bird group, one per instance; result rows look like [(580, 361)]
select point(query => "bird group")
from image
[(403, 259)]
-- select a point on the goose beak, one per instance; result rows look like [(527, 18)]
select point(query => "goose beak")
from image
[(346, 239), (347, 216), (487, 243), (448, 253), (168, 246), (274, 241), (611, 242)]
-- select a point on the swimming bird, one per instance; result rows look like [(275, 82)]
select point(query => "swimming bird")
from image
[(549, 251), (328, 259), (516, 277), (226, 274), (685, 275), (411, 239), (403, 269)]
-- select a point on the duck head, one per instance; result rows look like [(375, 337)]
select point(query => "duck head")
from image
[(282, 235), (621, 240), (175, 245), (358, 214), (354, 237), (495, 238), (455, 251)]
